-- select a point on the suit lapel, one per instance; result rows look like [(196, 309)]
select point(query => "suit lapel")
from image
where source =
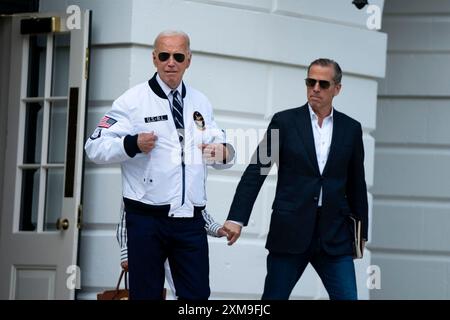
[(337, 138), (305, 128)]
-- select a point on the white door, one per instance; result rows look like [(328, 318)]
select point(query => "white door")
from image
[(41, 211)]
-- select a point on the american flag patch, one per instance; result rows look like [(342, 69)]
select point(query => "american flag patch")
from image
[(106, 122)]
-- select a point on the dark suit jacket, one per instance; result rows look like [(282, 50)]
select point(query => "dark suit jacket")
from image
[(299, 180)]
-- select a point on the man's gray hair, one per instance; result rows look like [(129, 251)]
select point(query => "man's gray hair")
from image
[(324, 62), (169, 33)]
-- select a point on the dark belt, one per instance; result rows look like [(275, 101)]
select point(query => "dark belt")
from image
[(138, 207)]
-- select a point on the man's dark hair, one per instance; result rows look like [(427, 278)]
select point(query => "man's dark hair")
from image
[(324, 62)]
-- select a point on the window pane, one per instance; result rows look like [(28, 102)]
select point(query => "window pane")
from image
[(53, 197), (36, 65), (57, 133), (60, 68), (30, 200), (33, 133)]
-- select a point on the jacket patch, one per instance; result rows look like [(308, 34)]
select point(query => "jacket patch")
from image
[(199, 120), (156, 118), (96, 134), (106, 122)]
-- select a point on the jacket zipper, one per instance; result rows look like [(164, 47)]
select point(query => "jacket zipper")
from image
[(183, 175)]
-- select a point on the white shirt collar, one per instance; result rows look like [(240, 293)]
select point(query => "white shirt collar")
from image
[(167, 90), (314, 116)]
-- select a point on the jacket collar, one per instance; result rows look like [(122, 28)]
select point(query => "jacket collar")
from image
[(337, 138), (305, 128), (156, 88)]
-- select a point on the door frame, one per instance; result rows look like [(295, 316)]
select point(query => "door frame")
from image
[(72, 200)]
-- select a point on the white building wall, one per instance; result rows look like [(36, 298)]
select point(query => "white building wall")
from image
[(250, 59), (411, 239)]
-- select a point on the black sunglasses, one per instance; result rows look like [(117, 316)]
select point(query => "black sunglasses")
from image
[(324, 84), (164, 56)]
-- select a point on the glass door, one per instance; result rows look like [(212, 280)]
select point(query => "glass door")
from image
[(44, 157)]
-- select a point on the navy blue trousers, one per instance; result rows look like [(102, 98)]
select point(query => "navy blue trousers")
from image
[(151, 240), (284, 270)]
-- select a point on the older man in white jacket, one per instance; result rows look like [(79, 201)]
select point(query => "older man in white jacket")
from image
[(163, 134)]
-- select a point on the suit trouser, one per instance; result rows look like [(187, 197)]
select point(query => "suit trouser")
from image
[(152, 239), (336, 272)]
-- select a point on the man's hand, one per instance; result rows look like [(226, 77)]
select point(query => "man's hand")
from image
[(221, 233), (124, 265), (233, 230), (146, 141), (214, 152)]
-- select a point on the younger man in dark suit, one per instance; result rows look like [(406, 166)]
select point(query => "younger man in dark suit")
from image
[(320, 158)]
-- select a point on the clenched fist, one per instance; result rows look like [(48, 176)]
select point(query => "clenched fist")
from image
[(146, 141)]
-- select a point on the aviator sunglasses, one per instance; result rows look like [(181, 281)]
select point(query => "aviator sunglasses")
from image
[(164, 56), (324, 84)]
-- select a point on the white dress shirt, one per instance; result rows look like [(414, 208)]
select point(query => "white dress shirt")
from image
[(322, 140)]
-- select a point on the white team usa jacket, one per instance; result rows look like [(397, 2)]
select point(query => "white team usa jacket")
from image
[(163, 176)]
